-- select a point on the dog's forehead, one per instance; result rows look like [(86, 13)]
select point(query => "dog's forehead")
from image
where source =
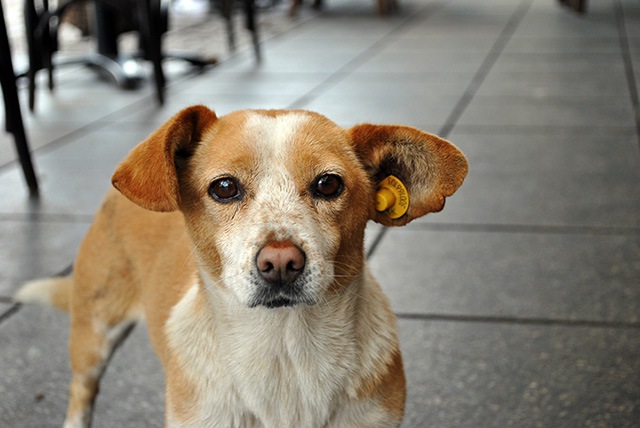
[(274, 135), (275, 131), (254, 141)]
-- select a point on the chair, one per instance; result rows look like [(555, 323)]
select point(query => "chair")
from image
[(227, 8), (151, 21), (13, 115), (41, 25)]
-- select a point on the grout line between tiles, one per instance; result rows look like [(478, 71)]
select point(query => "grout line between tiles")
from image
[(546, 322), (543, 129), (31, 217), (376, 241), (10, 312), (628, 64), (527, 228), (485, 67), (60, 141)]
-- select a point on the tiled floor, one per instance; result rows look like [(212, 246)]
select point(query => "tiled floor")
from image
[(519, 304)]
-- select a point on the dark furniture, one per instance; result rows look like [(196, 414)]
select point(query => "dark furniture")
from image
[(12, 113), (150, 19), (41, 25), (579, 6)]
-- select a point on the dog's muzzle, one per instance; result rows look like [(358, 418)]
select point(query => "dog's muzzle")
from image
[(280, 266)]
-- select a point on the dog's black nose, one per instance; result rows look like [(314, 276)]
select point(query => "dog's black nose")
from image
[(280, 263)]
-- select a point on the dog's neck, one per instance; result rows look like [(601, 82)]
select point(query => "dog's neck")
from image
[(327, 350)]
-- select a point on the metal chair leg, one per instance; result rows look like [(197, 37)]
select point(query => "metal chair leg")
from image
[(13, 114)]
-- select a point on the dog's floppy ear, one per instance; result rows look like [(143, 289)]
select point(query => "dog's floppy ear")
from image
[(148, 175), (428, 168)]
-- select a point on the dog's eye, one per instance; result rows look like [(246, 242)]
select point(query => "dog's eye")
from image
[(225, 190), (328, 186)]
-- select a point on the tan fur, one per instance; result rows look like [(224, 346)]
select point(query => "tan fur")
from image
[(165, 250), (55, 292)]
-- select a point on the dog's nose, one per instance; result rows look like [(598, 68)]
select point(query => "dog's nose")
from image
[(280, 263)]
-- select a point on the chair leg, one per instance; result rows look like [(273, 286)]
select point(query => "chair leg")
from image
[(227, 14), (251, 24), (13, 114), (34, 51), (579, 6), (149, 18), (24, 155)]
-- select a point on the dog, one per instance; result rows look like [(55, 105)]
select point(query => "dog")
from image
[(240, 241)]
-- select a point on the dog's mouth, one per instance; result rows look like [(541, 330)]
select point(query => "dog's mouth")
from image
[(281, 302), (281, 295)]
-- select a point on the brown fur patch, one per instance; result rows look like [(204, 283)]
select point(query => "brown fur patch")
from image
[(388, 386)]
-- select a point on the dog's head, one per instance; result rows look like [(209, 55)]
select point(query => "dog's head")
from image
[(276, 202)]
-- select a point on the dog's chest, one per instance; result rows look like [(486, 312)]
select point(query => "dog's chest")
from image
[(271, 368)]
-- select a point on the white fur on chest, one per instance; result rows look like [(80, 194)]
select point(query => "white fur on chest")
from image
[(280, 367)]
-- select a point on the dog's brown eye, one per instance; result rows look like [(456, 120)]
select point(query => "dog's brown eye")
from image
[(328, 186), (225, 190)]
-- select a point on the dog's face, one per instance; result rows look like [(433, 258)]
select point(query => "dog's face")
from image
[(276, 202)]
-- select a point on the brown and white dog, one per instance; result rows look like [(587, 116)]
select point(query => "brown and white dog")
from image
[(240, 241)]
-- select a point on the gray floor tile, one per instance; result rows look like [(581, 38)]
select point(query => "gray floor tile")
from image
[(548, 19), (75, 176), (550, 111), (286, 62), (353, 20), (606, 86), (485, 375), (35, 368), (220, 103), (61, 113), (411, 87), (458, 28), (307, 40), (394, 61), (38, 248), (468, 19), (426, 113), (520, 274), (38, 136), (631, 16), (371, 234), (255, 82), (426, 44), (567, 177), (585, 63), (5, 307), (553, 45), (36, 373), (71, 103)]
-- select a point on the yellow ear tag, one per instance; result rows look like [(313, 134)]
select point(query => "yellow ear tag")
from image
[(392, 197)]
